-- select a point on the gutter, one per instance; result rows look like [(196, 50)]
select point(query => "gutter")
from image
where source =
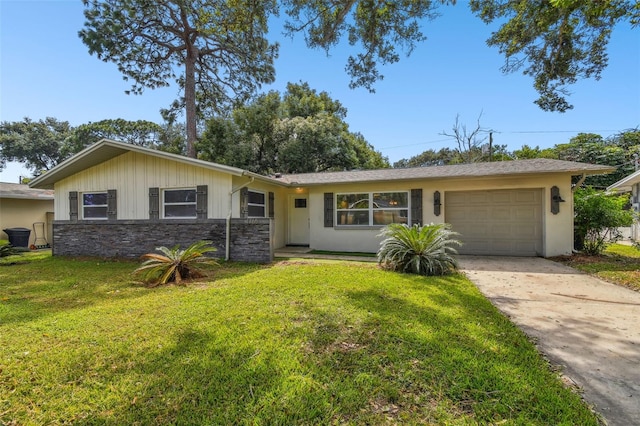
[(227, 249)]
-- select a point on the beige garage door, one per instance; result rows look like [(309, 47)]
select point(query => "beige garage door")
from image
[(502, 222)]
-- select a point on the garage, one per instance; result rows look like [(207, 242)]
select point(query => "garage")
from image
[(497, 222)]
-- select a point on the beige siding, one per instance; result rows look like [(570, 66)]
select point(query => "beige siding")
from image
[(557, 229), (279, 225), (20, 213), (132, 174)]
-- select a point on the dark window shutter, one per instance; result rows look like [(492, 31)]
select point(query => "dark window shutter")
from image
[(201, 201), (154, 203), (328, 209), (416, 206), (244, 202), (73, 206), (271, 205), (112, 204)]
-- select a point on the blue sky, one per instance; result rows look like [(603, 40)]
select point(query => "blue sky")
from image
[(45, 70)]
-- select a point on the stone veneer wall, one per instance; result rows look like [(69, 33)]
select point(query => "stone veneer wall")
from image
[(250, 238)]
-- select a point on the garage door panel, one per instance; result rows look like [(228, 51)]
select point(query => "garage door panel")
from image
[(500, 222)]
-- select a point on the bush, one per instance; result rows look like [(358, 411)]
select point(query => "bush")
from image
[(423, 250), (7, 250), (598, 215), (175, 265)]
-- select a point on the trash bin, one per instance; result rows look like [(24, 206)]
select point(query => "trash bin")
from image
[(18, 237)]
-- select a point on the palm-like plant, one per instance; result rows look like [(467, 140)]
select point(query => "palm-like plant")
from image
[(424, 250), (7, 250), (175, 265)]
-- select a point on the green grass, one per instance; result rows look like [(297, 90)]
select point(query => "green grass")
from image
[(619, 264), (292, 343)]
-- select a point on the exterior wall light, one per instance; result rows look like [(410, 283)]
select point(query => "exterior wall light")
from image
[(556, 199), (436, 203)]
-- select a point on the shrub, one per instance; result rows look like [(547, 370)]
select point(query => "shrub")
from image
[(7, 250), (175, 265), (423, 250), (598, 215)]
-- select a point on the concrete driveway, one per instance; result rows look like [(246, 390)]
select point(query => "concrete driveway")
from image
[(588, 327)]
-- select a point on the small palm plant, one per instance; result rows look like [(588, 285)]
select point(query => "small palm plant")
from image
[(7, 250), (175, 265), (423, 250)]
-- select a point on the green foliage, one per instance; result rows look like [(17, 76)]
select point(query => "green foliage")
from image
[(423, 250), (597, 217), (141, 132), (380, 28), (557, 44), (174, 264), (39, 145), (301, 131), (221, 48), (7, 250)]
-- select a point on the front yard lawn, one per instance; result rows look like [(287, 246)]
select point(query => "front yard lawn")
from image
[(619, 264), (295, 342)]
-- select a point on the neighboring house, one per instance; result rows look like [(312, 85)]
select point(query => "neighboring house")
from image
[(631, 184), (116, 199), (21, 207)]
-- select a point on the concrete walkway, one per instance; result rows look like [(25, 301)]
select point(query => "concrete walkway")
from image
[(588, 327)]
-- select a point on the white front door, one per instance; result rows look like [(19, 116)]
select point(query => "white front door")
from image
[(298, 220)]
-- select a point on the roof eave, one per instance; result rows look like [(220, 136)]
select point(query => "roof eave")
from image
[(112, 149)]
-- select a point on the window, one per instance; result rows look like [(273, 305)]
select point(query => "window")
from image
[(372, 209), (300, 203), (94, 205), (256, 204), (179, 203)]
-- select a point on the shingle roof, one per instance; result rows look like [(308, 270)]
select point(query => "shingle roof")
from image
[(15, 190), (499, 168)]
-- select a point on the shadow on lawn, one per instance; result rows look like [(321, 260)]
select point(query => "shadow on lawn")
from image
[(36, 289)]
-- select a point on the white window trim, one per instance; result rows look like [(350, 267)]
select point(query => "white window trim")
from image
[(264, 206), (371, 209), (106, 206), (185, 203)]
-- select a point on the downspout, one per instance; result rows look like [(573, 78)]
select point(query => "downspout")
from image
[(579, 183), (228, 236)]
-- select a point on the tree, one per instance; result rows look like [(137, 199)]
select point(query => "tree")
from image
[(555, 42), (594, 149), (430, 158), (140, 132), (469, 140), (528, 153), (220, 45), (379, 27), (39, 145), (598, 216), (299, 131)]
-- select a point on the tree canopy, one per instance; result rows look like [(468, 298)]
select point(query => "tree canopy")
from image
[(43, 144), (297, 132), (141, 132), (555, 42), (220, 47), (39, 145), (620, 151)]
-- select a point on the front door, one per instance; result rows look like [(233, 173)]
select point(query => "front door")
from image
[(298, 220)]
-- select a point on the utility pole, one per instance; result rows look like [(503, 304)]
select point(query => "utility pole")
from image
[(491, 146)]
